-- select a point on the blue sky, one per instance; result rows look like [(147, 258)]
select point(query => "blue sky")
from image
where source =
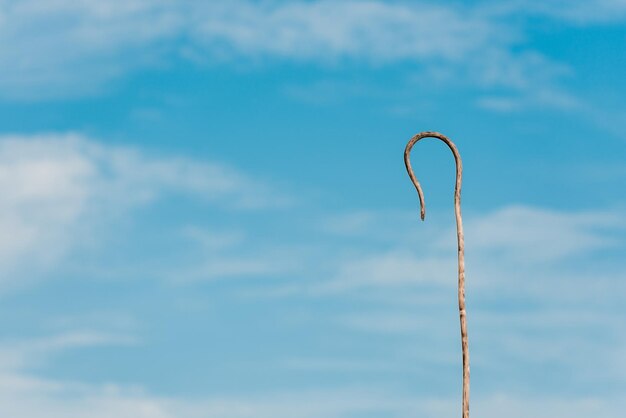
[(205, 211)]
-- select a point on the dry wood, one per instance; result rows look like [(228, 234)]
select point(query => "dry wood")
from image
[(461, 247)]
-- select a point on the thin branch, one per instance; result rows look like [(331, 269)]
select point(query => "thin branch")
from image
[(461, 247)]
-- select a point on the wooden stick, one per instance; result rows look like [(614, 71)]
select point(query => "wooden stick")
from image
[(461, 247)]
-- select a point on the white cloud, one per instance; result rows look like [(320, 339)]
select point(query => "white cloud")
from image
[(26, 396), (372, 30), (527, 234), (542, 289), (211, 254), (63, 47), (24, 393), (580, 12), (37, 398), (17, 355), (67, 178), (391, 269), (512, 242), (218, 266), (59, 189), (550, 98)]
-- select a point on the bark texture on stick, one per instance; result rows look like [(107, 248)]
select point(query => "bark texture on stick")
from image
[(461, 247)]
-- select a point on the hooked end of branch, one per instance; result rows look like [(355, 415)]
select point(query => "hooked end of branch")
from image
[(418, 187)]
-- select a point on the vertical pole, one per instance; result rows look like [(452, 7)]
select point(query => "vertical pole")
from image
[(461, 248)]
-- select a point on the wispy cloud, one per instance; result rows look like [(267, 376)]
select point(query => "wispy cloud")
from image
[(324, 30), (18, 355), (533, 239), (537, 293), (518, 257), (578, 12), (548, 98), (527, 234), (386, 275), (62, 48), (61, 399), (60, 189)]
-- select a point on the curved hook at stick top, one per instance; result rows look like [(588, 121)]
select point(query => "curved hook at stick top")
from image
[(461, 246), (416, 183)]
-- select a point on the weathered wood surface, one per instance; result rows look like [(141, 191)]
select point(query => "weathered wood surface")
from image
[(461, 247)]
